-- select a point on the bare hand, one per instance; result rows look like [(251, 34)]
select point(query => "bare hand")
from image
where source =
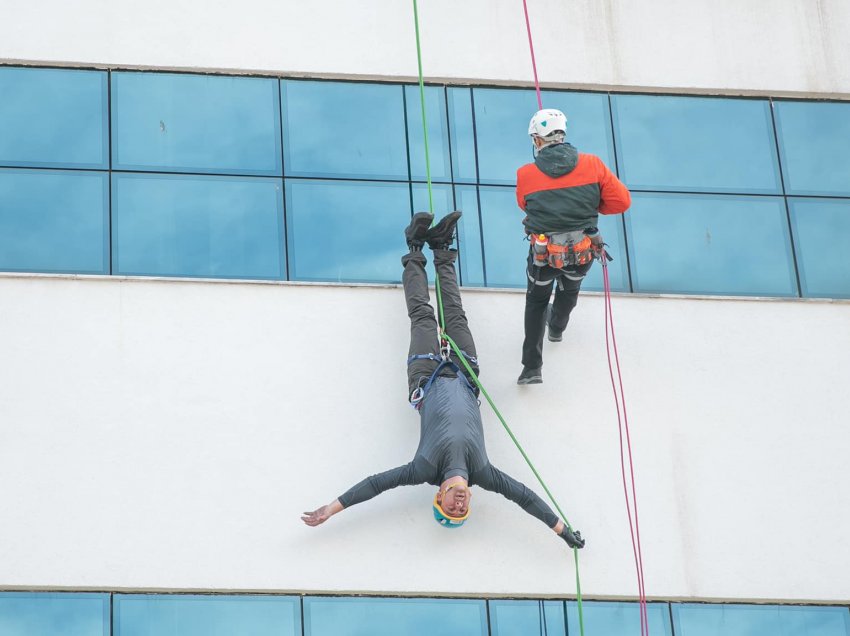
[(317, 517)]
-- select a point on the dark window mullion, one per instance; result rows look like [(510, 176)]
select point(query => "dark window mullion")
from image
[(109, 179), (785, 197), (478, 184), (630, 286), (283, 182)]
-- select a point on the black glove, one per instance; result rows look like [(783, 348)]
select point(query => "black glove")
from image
[(572, 537)]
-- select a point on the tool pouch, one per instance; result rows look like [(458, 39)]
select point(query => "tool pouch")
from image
[(568, 249)]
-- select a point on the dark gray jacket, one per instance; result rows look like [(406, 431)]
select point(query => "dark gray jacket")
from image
[(565, 190), (451, 443)]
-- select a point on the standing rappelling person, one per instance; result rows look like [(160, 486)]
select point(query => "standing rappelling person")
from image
[(451, 453), (562, 194)]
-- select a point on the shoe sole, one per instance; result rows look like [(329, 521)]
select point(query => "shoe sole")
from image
[(535, 380), (438, 235), (416, 232)]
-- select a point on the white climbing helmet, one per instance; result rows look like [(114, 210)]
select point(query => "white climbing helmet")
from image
[(547, 121)]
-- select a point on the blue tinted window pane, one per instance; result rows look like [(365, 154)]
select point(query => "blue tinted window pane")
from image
[(813, 140), (438, 133), (53, 118), (186, 615), (462, 135), (521, 618), (54, 221), (393, 616), (26, 614), (759, 620), (216, 227), (343, 129), (195, 123), (505, 247), (469, 233), (588, 122), (346, 231), (441, 194), (618, 619), (710, 244), (822, 240), (611, 227), (696, 144), (501, 128), (501, 124)]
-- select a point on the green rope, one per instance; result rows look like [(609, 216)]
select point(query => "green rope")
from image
[(454, 346), (427, 152), (480, 386), (422, 101)]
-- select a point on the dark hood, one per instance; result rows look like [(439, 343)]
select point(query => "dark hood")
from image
[(557, 160)]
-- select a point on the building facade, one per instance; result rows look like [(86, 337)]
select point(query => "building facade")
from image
[(203, 331)]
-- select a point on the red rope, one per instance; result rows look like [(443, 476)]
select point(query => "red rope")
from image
[(623, 424), (622, 420), (533, 61)]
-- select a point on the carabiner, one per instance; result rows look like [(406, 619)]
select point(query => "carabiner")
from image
[(445, 349)]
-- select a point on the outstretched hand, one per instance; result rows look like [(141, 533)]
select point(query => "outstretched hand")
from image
[(572, 537), (317, 517)]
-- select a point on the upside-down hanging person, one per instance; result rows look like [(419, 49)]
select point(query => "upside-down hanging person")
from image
[(562, 193), (451, 452)]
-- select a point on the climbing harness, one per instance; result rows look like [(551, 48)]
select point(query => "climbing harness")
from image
[(565, 253), (444, 360), (561, 249)]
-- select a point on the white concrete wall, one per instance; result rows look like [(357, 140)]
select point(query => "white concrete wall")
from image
[(167, 434), (773, 46)]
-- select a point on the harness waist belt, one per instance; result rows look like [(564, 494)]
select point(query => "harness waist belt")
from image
[(419, 392)]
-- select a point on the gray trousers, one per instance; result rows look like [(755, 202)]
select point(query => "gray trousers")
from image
[(424, 337)]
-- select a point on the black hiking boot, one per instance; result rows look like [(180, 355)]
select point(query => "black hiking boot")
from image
[(554, 334), (530, 376), (441, 236), (415, 233)]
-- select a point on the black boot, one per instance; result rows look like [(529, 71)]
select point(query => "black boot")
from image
[(441, 236), (416, 232), (530, 376)]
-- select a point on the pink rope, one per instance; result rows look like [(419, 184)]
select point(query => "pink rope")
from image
[(533, 61), (634, 527)]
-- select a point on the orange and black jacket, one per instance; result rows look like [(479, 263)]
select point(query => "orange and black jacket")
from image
[(565, 190)]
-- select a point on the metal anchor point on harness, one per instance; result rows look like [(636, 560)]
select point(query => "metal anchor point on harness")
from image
[(445, 349), (601, 254)]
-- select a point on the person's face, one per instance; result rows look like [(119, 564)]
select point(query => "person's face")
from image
[(455, 502)]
